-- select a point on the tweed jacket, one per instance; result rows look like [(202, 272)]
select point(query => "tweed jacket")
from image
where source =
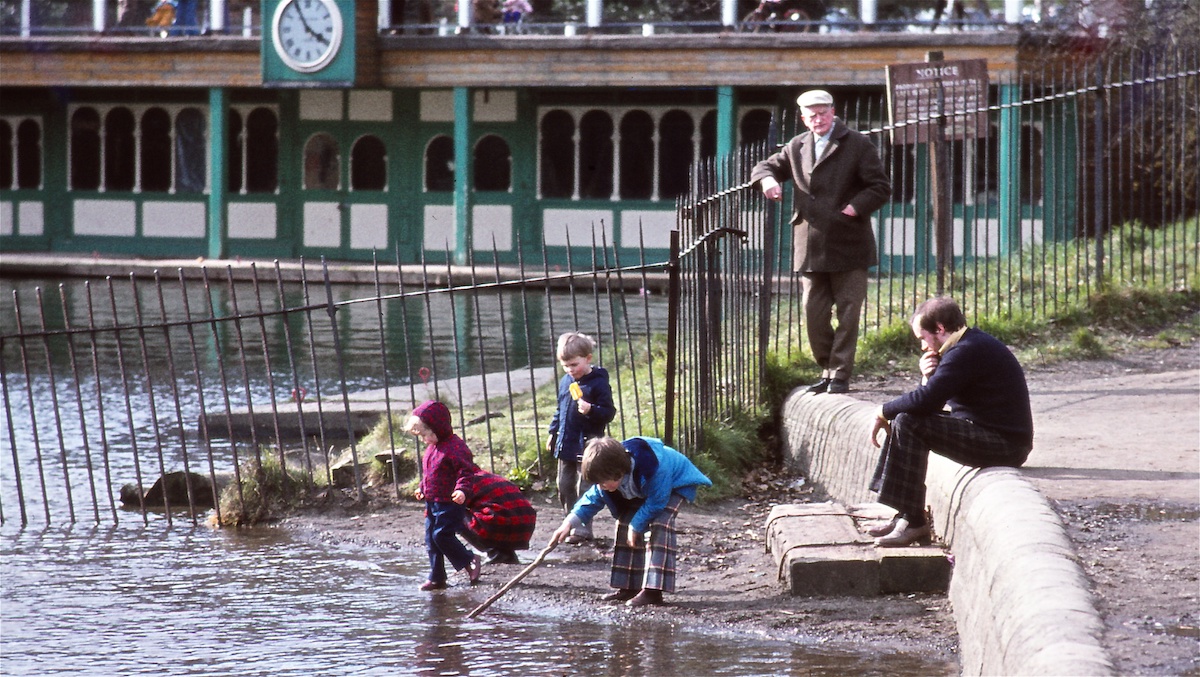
[(849, 172)]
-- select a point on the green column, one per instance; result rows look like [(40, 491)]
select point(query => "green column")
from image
[(463, 240), (1010, 174), (726, 122), (217, 126), (923, 212), (1059, 146)]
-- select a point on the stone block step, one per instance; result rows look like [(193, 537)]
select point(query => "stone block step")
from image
[(821, 550)]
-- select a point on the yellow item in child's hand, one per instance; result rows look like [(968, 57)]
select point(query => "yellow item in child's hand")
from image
[(576, 391)]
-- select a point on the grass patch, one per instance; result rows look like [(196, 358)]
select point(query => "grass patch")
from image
[(266, 493)]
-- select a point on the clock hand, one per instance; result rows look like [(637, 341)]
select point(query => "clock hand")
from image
[(308, 28)]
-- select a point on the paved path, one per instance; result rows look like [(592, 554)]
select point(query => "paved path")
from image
[(1125, 438)]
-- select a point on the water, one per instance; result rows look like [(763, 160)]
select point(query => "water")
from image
[(152, 600), (122, 593)]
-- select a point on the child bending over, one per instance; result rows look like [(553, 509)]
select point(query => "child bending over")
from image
[(643, 483)]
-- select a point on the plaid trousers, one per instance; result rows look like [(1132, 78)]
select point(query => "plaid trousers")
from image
[(629, 567), (900, 473)]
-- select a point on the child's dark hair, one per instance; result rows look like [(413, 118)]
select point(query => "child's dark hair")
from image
[(604, 459), (574, 344)]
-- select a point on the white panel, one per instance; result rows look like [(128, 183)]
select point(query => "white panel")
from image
[(655, 227), (173, 219), (440, 228), (492, 221), (371, 105), (320, 105), (495, 106), (322, 224), (252, 220), (557, 223), (437, 105), (899, 238), (6, 218), (368, 226), (106, 217), (31, 218)]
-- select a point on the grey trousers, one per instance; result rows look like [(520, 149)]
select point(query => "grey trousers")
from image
[(833, 348)]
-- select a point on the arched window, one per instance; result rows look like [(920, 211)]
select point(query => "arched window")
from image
[(675, 153), (262, 151), (493, 165), (85, 149), (368, 164), (708, 135), (233, 151), (637, 156), (191, 148), (322, 163), (755, 126), (29, 155), (6, 155), (156, 151), (596, 155), (439, 165), (557, 173), (119, 150)]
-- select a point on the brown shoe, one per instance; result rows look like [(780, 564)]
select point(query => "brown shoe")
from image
[(646, 597), (904, 535), (883, 529), (430, 585), (619, 595)]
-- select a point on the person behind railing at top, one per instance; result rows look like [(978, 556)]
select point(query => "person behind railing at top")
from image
[(514, 10)]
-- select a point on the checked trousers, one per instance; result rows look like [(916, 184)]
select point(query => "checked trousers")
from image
[(630, 569), (900, 473)]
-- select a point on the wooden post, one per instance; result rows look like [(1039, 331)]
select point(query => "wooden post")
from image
[(942, 206)]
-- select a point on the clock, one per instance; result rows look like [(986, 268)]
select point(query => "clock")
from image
[(307, 33)]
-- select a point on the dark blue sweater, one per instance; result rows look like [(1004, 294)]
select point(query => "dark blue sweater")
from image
[(572, 429), (982, 382)]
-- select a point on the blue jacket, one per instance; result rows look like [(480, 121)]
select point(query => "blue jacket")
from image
[(572, 429), (658, 471)]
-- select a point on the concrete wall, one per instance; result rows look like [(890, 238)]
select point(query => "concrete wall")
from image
[(1021, 601)]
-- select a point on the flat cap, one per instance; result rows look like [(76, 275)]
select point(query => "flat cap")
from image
[(815, 97)]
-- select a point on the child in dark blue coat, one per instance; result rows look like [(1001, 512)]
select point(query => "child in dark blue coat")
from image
[(585, 408)]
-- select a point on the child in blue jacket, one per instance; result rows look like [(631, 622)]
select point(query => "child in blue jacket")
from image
[(643, 483), (585, 408)]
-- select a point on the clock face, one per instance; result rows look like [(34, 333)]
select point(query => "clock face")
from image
[(307, 33)]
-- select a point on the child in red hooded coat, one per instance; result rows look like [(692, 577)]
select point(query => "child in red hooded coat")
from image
[(446, 467)]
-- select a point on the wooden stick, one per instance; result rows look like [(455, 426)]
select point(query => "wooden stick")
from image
[(516, 579)]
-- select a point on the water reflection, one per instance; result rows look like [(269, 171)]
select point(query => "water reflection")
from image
[(152, 600)]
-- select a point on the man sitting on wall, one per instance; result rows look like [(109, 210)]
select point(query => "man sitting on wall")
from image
[(989, 423)]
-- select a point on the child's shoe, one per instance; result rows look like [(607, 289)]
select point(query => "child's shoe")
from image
[(430, 585), (474, 569), (646, 597)]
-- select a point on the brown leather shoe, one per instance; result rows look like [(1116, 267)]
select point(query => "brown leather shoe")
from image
[(619, 595), (883, 529), (904, 535), (646, 597), (430, 585)]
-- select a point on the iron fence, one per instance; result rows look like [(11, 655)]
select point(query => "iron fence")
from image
[(198, 371)]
